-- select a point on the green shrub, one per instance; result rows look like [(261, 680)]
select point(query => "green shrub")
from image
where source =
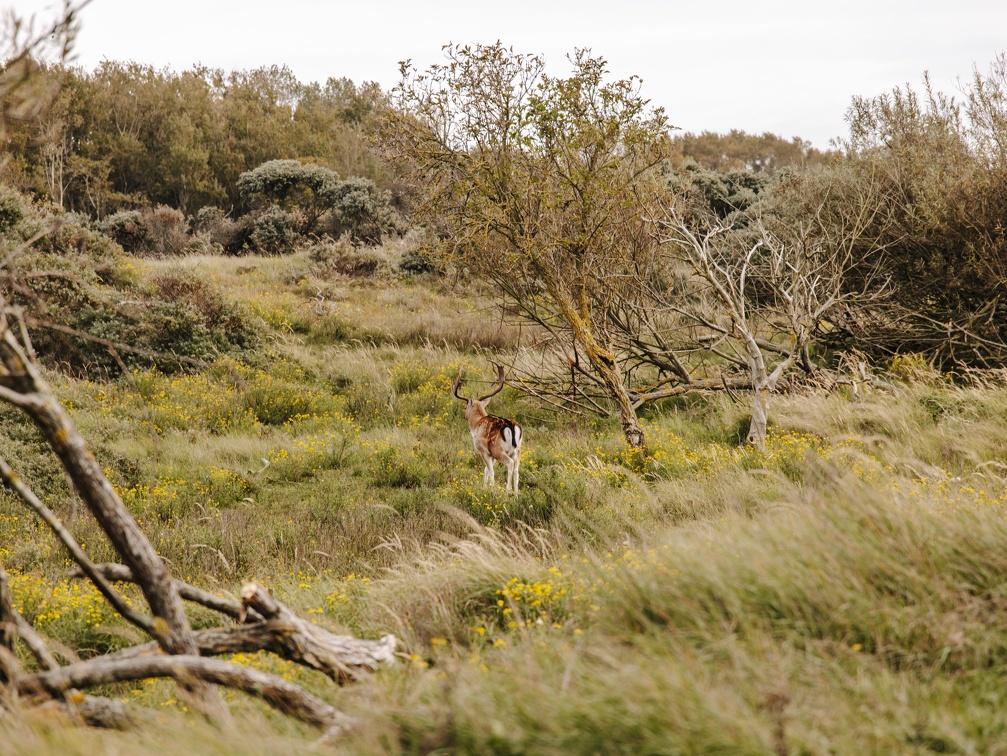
[(12, 208), (300, 189), (273, 231), (127, 229), (356, 207)]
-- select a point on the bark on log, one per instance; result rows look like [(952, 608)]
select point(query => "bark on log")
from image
[(7, 625), (342, 657), (98, 711), (338, 656), (275, 691)]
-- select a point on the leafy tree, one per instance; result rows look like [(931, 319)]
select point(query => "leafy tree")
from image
[(539, 184), (297, 188), (943, 165)]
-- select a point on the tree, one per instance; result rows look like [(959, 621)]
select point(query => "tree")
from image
[(944, 161), (737, 150), (539, 185), (302, 189), (358, 208), (767, 286)]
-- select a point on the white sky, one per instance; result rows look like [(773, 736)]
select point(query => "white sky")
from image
[(789, 67)]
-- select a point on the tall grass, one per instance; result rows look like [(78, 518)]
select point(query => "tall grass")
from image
[(841, 592)]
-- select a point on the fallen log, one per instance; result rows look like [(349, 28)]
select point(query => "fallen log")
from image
[(283, 696)]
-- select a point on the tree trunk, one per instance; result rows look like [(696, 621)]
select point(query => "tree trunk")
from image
[(760, 414), (602, 360), (760, 392)]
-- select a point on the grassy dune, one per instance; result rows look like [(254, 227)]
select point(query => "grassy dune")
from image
[(840, 592)]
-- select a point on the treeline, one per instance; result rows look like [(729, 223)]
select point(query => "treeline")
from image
[(127, 135), (165, 163), (737, 150)]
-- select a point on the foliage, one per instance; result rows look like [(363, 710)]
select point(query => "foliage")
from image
[(127, 134), (342, 257), (942, 164), (159, 231), (272, 231), (357, 208), (764, 154), (723, 193), (127, 229), (220, 231), (292, 186)]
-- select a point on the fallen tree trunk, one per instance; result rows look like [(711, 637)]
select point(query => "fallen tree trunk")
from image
[(341, 657), (275, 691), (274, 628)]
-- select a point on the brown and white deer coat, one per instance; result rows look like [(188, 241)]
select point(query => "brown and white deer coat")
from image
[(497, 439)]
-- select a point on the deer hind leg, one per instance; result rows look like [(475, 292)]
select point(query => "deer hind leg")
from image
[(488, 473), (513, 462)]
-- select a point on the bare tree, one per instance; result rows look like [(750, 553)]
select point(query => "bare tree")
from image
[(767, 291)]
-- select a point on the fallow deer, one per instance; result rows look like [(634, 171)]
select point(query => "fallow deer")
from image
[(497, 439)]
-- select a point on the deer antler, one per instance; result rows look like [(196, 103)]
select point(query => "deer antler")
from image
[(458, 382), (498, 389)]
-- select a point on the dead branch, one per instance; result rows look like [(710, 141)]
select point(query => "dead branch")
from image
[(719, 382), (120, 573), (8, 632), (336, 655), (98, 711), (275, 691), (341, 657), (76, 552), (274, 628)]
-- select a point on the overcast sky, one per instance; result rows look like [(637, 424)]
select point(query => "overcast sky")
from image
[(788, 67)]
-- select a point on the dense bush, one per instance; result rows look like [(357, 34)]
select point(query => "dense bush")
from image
[(167, 231), (272, 231), (159, 231), (127, 229), (358, 208), (933, 237), (12, 208), (301, 189), (343, 257), (220, 232)]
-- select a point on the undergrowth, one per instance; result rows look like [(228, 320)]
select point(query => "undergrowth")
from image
[(842, 591)]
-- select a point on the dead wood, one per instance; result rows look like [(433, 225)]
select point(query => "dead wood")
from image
[(8, 634), (275, 691), (84, 563), (22, 385), (99, 711), (339, 656), (271, 627), (122, 574)]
